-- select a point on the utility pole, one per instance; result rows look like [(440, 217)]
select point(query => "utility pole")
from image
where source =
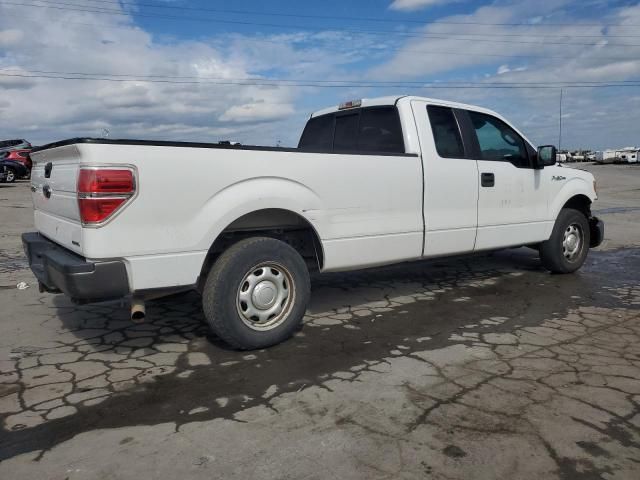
[(560, 134)]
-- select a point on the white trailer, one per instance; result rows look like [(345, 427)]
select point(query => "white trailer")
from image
[(628, 155), (606, 156)]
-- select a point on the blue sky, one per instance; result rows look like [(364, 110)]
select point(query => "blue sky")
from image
[(196, 52)]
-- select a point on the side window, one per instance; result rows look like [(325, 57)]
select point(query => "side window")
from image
[(318, 134), (446, 133), (498, 141), (380, 130), (346, 136)]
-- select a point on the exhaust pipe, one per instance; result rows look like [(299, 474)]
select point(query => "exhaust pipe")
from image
[(138, 312)]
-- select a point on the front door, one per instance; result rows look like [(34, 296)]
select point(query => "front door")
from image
[(512, 198)]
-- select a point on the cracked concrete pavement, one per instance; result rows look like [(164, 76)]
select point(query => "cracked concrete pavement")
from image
[(477, 367)]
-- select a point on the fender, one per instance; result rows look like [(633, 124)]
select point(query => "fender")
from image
[(257, 193), (574, 186)]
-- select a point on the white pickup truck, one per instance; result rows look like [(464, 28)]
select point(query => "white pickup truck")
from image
[(372, 182)]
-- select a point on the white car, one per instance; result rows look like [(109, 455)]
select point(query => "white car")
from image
[(372, 182)]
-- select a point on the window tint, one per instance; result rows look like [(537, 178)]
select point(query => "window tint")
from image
[(373, 129), (380, 130), (498, 141), (446, 133), (346, 135), (318, 134)]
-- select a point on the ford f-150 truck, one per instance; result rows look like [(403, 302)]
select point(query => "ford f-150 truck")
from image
[(372, 182)]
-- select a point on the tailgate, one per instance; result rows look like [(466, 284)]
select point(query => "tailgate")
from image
[(53, 185)]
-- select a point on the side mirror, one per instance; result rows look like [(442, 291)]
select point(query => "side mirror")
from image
[(546, 156)]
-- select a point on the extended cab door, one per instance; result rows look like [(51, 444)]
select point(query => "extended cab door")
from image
[(513, 196), (450, 181)]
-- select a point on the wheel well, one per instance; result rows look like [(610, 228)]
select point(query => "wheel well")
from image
[(580, 203), (281, 224)]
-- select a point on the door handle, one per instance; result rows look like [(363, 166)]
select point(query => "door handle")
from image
[(487, 179)]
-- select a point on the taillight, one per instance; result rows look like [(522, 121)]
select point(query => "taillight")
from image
[(102, 192)]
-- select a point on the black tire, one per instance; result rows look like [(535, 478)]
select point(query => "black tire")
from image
[(553, 254), (11, 175), (227, 281)]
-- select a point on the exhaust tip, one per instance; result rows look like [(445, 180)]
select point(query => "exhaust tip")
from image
[(138, 311)]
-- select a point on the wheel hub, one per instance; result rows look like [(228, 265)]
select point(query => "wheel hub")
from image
[(264, 294), (572, 241)]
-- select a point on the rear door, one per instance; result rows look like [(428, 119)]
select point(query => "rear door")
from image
[(512, 199), (53, 186), (450, 181)]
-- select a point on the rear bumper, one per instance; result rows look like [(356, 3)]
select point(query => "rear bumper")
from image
[(60, 271), (596, 227)]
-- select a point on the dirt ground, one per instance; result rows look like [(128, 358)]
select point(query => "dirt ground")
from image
[(480, 367)]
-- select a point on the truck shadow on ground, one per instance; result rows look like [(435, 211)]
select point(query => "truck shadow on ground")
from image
[(106, 372)]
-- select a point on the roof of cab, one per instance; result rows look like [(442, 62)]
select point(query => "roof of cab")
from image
[(392, 100)]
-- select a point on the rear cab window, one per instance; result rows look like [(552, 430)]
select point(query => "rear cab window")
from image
[(345, 137), (363, 130), (318, 134)]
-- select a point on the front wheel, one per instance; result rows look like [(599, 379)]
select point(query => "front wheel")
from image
[(256, 293), (11, 175), (567, 248)]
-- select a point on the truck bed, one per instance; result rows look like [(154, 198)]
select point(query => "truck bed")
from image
[(188, 193)]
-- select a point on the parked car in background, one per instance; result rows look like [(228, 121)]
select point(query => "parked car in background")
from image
[(21, 156), (14, 170), (18, 144)]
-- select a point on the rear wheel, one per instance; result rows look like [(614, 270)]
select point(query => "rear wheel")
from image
[(568, 246), (256, 293)]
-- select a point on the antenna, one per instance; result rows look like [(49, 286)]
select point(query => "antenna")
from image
[(560, 134)]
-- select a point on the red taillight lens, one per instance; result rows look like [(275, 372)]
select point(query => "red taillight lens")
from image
[(103, 191), (106, 181), (96, 210)]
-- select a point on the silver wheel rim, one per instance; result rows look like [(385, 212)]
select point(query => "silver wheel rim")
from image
[(265, 296), (10, 176), (572, 242)]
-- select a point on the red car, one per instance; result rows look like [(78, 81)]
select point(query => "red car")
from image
[(21, 156)]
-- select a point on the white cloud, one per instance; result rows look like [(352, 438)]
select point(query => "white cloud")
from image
[(252, 112), (10, 36), (502, 69), (533, 58), (409, 5), (206, 111)]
